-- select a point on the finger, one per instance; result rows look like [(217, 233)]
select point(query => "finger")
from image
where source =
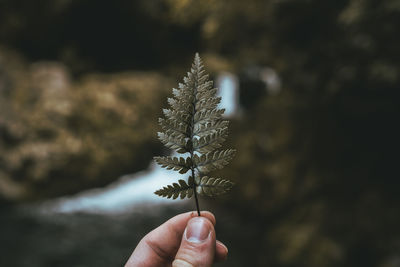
[(159, 247), (198, 244), (221, 252)]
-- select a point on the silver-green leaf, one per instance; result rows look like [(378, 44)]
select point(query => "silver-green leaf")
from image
[(193, 124), (213, 160), (177, 164), (181, 189), (213, 186)]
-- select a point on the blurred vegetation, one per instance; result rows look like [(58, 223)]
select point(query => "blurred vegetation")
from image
[(60, 136), (316, 169)]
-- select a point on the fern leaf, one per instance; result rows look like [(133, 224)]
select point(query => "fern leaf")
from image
[(179, 143), (184, 93), (206, 94), (174, 128), (210, 142), (202, 129), (193, 124), (177, 116), (183, 105), (214, 160), (204, 84), (208, 115), (182, 165), (181, 189), (208, 104), (213, 186)]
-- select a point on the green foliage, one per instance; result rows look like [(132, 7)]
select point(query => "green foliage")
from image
[(60, 136), (213, 186), (194, 125), (182, 189), (182, 165)]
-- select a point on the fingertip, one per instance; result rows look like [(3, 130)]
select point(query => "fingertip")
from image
[(204, 213), (198, 230), (198, 242), (221, 251), (222, 247), (209, 216)]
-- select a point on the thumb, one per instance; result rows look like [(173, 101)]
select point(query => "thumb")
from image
[(198, 244)]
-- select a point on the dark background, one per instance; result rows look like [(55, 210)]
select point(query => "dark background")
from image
[(317, 174)]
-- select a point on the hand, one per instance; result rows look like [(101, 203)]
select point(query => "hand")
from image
[(186, 240)]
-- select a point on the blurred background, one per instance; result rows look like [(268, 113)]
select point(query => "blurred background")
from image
[(312, 89)]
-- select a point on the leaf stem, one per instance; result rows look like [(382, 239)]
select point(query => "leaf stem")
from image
[(191, 148), (195, 193)]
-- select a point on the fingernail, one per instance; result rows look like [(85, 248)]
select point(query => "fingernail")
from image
[(197, 230)]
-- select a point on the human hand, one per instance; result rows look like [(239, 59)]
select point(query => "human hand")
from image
[(186, 240)]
